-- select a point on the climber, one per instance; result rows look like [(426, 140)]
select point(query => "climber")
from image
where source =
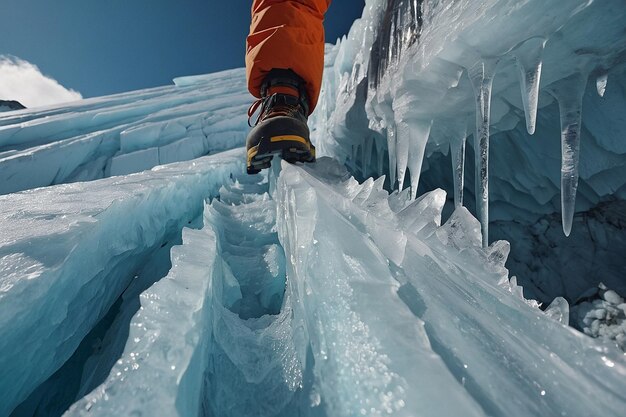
[(284, 65)]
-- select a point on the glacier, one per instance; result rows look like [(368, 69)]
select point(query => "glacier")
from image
[(143, 273), (414, 79)]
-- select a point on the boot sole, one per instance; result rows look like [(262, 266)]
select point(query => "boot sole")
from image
[(291, 148)]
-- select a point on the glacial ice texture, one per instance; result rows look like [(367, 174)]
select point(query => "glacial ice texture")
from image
[(123, 133), (431, 65), (431, 62), (190, 289), (275, 307)]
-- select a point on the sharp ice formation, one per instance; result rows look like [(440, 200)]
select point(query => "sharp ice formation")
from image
[(559, 310), (392, 150), (325, 351), (457, 156), (529, 59), (414, 62), (569, 94), (309, 292), (420, 130), (190, 287), (481, 76), (403, 145), (64, 261)]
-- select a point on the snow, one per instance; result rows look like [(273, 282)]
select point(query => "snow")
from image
[(142, 277)]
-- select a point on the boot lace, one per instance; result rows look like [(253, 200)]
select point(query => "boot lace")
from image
[(267, 103)]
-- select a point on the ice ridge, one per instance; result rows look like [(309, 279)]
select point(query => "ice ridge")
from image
[(123, 133), (360, 310), (64, 261), (313, 290)]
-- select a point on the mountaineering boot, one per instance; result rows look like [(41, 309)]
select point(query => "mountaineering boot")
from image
[(280, 128)]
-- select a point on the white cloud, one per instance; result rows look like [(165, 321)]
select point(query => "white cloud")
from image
[(22, 81)]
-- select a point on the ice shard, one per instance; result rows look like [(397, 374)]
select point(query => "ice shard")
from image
[(357, 371), (558, 310), (403, 145), (529, 60), (351, 301), (457, 156), (569, 94), (481, 76), (420, 130)]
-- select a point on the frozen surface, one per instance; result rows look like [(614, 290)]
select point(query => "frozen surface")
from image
[(499, 71), (177, 361), (307, 294), (67, 253), (480, 331), (305, 291), (123, 133)]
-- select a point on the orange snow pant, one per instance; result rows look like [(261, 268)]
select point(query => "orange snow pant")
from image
[(287, 34)]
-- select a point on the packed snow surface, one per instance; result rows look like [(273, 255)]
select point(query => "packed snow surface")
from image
[(139, 276)]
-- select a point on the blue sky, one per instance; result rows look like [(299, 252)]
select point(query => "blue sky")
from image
[(100, 47)]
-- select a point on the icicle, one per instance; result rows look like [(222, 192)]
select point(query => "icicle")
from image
[(601, 83), (569, 93), (481, 76), (420, 130), (457, 154), (529, 59), (391, 149), (403, 142)]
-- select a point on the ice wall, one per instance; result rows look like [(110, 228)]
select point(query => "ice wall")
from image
[(176, 361), (311, 293), (419, 76), (414, 80)]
